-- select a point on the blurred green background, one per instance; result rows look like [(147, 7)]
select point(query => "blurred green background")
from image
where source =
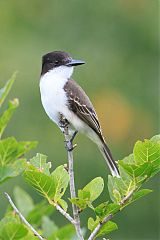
[(119, 42)]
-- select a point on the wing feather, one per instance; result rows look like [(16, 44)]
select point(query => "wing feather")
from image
[(80, 104)]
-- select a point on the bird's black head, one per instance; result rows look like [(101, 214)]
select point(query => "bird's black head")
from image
[(56, 59)]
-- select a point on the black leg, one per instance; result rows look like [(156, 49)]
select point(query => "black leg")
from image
[(63, 122), (69, 143), (73, 136)]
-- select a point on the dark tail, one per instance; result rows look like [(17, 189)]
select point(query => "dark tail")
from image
[(109, 159)]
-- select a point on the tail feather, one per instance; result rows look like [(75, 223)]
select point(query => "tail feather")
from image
[(109, 159)]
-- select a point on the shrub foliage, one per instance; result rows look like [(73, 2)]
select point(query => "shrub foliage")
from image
[(135, 169)]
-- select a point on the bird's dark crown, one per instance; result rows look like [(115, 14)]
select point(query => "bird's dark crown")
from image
[(57, 58), (54, 59)]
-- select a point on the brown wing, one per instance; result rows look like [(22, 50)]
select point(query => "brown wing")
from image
[(80, 104)]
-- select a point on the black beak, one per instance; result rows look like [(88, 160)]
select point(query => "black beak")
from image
[(73, 62)]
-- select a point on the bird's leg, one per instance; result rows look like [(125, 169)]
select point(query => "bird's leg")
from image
[(63, 122), (69, 143), (73, 136)]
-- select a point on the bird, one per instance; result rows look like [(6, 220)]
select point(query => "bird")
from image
[(64, 101)]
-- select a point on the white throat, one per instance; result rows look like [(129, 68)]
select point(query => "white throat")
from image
[(60, 72)]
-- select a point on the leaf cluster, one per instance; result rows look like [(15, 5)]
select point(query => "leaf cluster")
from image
[(52, 185), (135, 170), (38, 215), (12, 152)]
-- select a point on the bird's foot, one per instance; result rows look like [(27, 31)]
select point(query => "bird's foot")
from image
[(63, 123), (70, 146), (69, 143)]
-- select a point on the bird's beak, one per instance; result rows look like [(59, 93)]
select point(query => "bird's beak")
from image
[(74, 62)]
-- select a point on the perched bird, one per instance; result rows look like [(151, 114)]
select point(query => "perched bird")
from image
[(63, 99)]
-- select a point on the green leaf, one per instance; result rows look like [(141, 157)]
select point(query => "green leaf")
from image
[(12, 170), (135, 171), (107, 228), (63, 204), (83, 199), (81, 203), (112, 208), (119, 188), (95, 188), (61, 179), (64, 233), (145, 162), (12, 161), (104, 209), (23, 201), (11, 150), (129, 159), (156, 138), (25, 146), (82, 194), (53, 186), (39, 161), (141, 193), (7, 227), (43, 183), (111, 189), (147, 151), (29, 236), (92, 224), (48, 227), (4, 119), (89, 193), (34, 217), (9, 218), (5, 90), (13, 231), (101, 210)]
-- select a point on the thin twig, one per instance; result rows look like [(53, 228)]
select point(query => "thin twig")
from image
[(126, 198), (22, 218), (72, 188), (65, 214), (96, 230)]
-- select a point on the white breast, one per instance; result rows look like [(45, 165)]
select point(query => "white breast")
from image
[(52, 93)]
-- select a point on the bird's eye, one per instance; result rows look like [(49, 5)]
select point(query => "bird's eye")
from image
[(56, 62)]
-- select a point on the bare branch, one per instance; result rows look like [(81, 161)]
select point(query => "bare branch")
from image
[(65, 214), (72, 184), (22, 218), (126, 198), (96, 230)]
